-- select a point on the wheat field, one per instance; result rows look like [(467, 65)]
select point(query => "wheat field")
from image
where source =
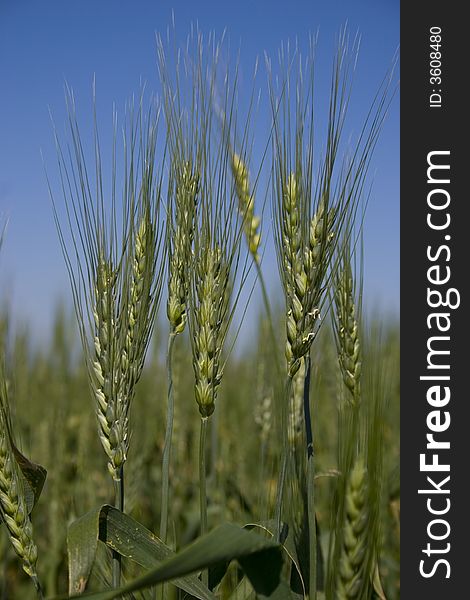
[(150, 452)]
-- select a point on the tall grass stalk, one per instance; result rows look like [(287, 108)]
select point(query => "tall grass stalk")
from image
[(315, 205), (180, 240), (355, 532), (116, 276), (168, 437), (312, 525), (215, 259), (185, 159)]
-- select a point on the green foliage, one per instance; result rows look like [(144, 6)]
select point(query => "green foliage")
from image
[(124, 535), (259, 558)]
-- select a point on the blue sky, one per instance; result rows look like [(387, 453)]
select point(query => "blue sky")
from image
[(44, 43)]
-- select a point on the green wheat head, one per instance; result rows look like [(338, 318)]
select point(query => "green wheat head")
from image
[(13, 502), (181, 241), (205, 237), (315, 193), (116, 276), (347, 304)]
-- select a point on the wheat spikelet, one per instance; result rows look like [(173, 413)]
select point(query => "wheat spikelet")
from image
[(304, 260), (139, 299), (263, 413), (13, 505), (210, 315), (263, 417), (103, 378), (13, 509), (246, 205), (263, 409), (347, 330), (320, 242), (352, 559), (187, 187), (139, 308), (293, 270), (122, 325)]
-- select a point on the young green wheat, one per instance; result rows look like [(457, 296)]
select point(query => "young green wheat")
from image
[(13, 503)]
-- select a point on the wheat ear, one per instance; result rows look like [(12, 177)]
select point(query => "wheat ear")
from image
[(351, 574), (103, 378), (246, 206), (210, 317), (309, 213), (180, 240), (305, 261), (347, 330), (115, 277), (13, 505)]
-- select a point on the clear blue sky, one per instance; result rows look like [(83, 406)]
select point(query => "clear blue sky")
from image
[(44, 43)]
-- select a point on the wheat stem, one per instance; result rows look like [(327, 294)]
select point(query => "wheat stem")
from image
[(119, 504), (312, 526), (180, 242), (284, 457), (202, 483), (38, 587), (168, 436)]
